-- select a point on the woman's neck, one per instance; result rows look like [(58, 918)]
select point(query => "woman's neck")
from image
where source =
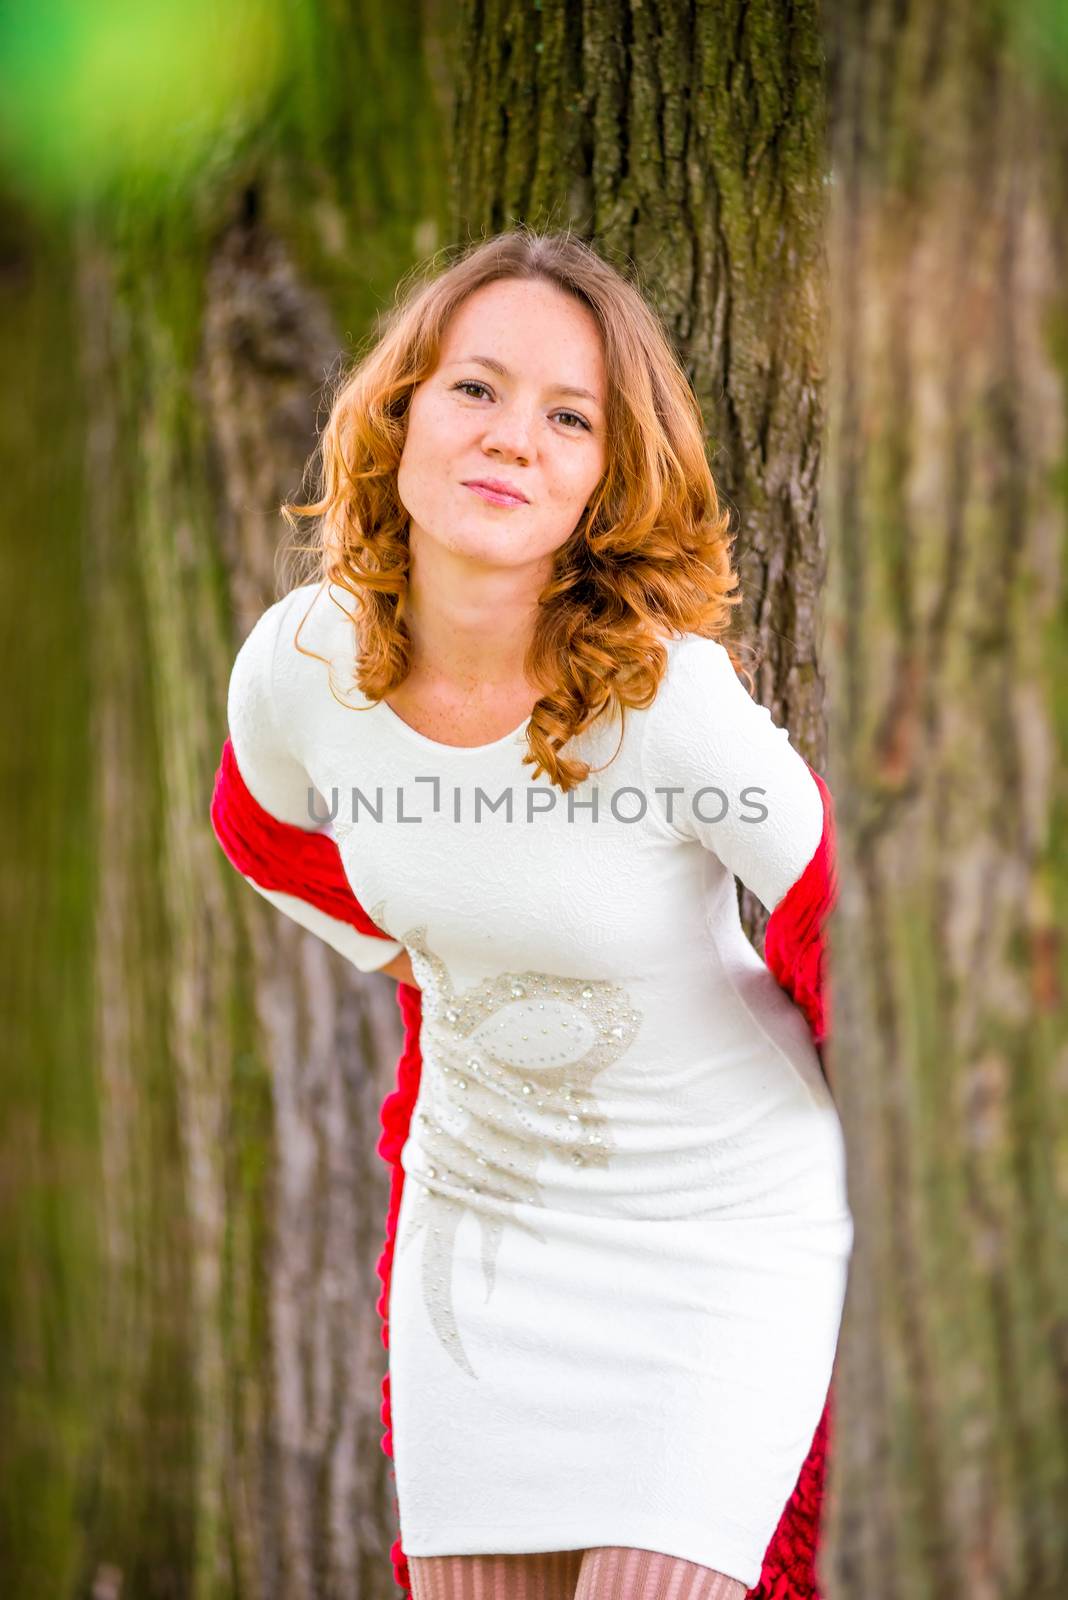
[(470, 634)]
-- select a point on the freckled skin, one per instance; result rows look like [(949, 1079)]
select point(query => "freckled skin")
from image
[(518, 428), (513, 428)]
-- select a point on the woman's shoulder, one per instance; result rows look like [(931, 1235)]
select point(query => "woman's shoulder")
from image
[(697, 648), (699, 671), (298, 658), (278, 622), (314, 637), (319, 612), (709, 741), (703, 699)]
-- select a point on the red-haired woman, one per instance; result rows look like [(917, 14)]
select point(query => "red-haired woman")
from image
[(619, 1238)]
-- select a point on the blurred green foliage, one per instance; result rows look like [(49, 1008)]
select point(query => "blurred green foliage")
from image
[(96, 90)]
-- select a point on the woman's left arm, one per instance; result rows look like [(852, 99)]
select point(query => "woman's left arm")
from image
[(752, 799)]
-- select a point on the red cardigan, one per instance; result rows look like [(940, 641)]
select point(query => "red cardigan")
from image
[(277, 855)]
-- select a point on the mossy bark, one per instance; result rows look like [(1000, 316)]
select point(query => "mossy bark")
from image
[(692, 143), (51, 1238), (687, 142), (231, 1446), (946, 498), (242, 1063)]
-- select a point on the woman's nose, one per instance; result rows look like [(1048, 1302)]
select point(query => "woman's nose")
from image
[(511, 430)]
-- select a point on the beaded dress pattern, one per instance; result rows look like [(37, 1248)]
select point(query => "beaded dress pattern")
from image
[(496, 1080)]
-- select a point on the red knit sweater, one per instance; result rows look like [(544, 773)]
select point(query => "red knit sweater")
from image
[(280, 856)]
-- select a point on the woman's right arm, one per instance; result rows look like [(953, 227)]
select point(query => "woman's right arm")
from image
[(401, 969), (261, 816)]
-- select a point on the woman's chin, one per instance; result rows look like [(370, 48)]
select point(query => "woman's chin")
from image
[(481, 546)]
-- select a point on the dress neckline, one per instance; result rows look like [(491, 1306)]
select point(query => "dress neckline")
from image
[(452, 749)]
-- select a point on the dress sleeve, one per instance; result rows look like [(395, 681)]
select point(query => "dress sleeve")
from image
[(722, 772), (262, 818)]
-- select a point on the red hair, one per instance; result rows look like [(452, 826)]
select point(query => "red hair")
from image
[(650, 554)]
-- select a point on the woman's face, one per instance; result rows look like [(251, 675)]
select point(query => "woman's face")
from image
[(504, 404)]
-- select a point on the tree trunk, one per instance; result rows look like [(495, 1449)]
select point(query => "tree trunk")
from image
[(235, 1445), (686, 141), (242, 1062), (945, 502), (49, 1143)]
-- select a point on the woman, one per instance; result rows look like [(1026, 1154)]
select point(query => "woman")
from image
[(620, 1232)]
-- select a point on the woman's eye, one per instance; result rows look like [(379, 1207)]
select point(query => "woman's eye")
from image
[(470, 383), (476, 383)]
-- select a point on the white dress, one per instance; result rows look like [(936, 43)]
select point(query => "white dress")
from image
[(624, 1236)]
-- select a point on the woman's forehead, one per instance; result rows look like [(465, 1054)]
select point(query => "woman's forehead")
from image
[(554, 330)]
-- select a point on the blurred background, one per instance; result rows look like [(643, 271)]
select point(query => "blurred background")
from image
[(853, 221)]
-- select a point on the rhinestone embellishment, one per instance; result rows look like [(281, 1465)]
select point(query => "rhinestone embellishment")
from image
[(506, 1081)]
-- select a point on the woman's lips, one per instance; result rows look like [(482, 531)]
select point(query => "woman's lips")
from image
[(494, 496)]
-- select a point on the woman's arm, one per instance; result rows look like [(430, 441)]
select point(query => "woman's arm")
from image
[(796, 946), (401, 969), (260, 807), (772, 821)]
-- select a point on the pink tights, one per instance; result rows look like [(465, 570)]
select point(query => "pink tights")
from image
[(606, 1572)]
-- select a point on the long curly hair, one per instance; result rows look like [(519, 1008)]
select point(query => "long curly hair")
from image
[(649, 556)]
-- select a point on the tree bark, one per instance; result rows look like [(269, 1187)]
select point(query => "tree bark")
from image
[(945, 503), (51, 1237), (210, 328), (686, 141), (235, 1446)]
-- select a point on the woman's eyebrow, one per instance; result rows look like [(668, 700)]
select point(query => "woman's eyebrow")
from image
[(502, 371)]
